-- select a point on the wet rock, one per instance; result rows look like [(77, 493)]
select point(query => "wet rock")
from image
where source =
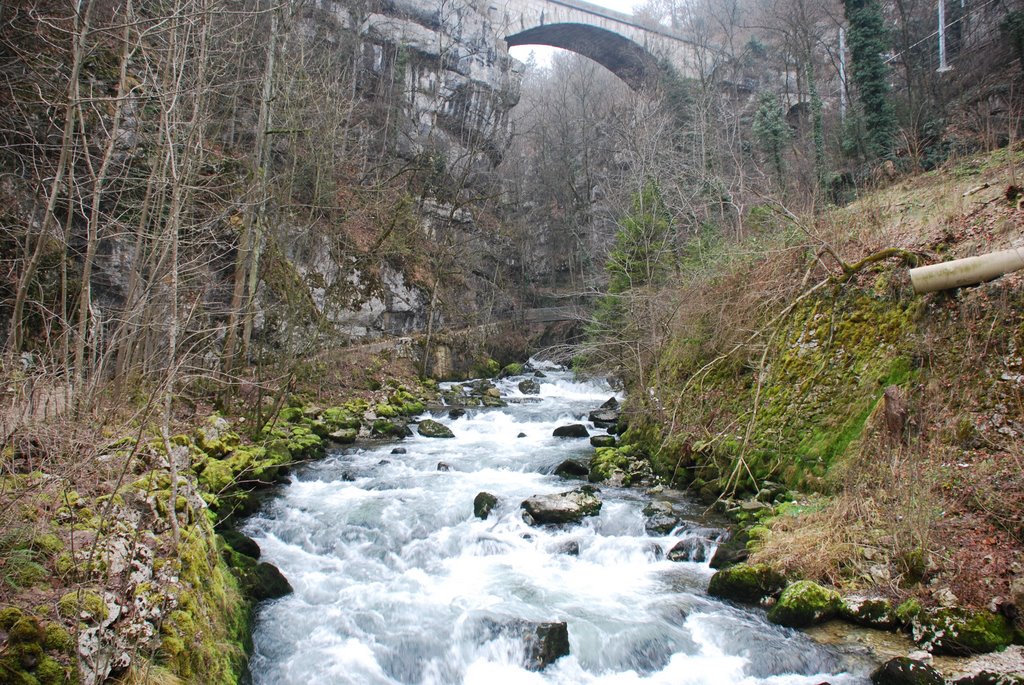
[(383, 462), (483, 504), (573, 430), (544, 643), (729, 554), (904, 671), (805, 603), (961, 632), (569, 548), (529, 387), (539, 374), (690, 549), (602, 440), (571, 468), (429, 428), (661, 518), (456, 413), (443, 466), (343, 436), (493, 393), (521, 435), (873, 612), (563, 507), (747, 584), (990, 678), (268, 582), (604, 418), (243, 544), (398, 450), (610, 403), (348, 477)]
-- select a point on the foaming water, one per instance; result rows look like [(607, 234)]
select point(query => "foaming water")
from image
[(396, 581)]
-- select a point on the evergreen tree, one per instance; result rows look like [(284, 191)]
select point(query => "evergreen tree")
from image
[(868, 40), (772, 132)]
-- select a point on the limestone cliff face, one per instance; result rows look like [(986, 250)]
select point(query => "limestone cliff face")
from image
[(458, 81)]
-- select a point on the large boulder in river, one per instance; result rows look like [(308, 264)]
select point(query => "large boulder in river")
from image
[(729, 554), (562, 507), (483, 504), (610, 403), (572, 468), (746, 583), (805, 603), (661, 518), (529, 387), (543, 642), (690, 549), (573, 430), (904, 671), (429, 428), (604, 418)]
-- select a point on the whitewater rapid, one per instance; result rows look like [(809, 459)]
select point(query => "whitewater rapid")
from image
[(394, 575)]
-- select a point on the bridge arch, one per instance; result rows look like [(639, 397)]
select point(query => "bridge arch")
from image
[(628, 60)]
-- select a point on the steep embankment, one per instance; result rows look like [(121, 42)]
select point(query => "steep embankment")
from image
[(873, 435)]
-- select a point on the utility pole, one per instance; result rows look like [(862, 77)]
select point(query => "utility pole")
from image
[(842, 73), (943, 67)]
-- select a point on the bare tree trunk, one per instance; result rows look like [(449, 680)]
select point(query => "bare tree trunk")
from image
[(14, 339)]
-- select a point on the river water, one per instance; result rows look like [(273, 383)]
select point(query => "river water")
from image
[(396, 581)]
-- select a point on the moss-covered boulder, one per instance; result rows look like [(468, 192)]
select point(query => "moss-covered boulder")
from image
[(83, 605), (872, 612), (746, 583), (904, 671), (805, 603), (962, 632), (602, 440), (29, 655), (606, 461), (429, 428)]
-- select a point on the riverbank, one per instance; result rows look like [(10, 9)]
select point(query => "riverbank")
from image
[(866, 438)]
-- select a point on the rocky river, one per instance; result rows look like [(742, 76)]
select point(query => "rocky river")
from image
[(397, 580)]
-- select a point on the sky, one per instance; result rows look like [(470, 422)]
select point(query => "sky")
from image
[(543, 53)]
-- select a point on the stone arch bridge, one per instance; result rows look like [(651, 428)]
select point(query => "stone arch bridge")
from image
[(629, 47)]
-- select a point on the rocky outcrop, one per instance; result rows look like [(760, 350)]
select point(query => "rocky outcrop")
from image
[(562, 507), (529, 387)]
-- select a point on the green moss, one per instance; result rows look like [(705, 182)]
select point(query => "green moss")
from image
[(203, 639), (746, 583), (216, 476), (83, 604), (513, 369), (908, 611), (962, 632), (606, 461), (386, 411), (57, 638), (805, 603), (337, 418), (291, 414)]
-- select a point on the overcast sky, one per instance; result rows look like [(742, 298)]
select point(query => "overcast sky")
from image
[(543, 53)]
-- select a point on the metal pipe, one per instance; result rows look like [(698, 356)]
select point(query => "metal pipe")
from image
[(969, 271)]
